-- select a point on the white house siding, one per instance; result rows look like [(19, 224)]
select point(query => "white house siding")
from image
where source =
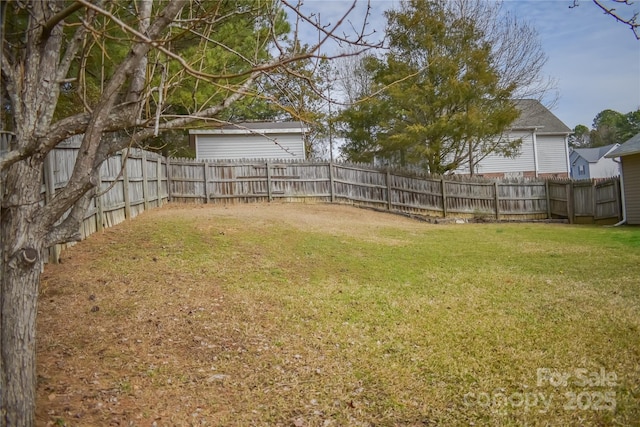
[(631, 177), (231, 147), (552, 154), (605, 168), (525, 161)]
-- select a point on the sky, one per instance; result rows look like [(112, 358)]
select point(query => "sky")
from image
[(594, 60)]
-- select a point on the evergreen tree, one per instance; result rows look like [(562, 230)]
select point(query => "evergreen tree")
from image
[(580, 137), (613, 127), (442, 105)]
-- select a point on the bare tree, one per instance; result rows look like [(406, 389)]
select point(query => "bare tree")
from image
[(352, 79), (516, 49), (48, 49), (628, 19)]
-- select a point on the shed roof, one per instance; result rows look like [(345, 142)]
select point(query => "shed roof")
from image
[(592, 155), (535, 115), (631, 146), (254, 127)]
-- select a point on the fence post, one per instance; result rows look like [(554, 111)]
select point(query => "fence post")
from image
[(268, 182), (99, 207), (388, 180), (49, 192), (125, 184), (145, 181), (168, 178), (332, 189), (548, 195), (206, 181), (159, 180), (618, 195), (570, 208), (444, 197), (594, 192), (497, 199)]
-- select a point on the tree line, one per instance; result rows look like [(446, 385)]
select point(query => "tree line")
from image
[(609, 127)]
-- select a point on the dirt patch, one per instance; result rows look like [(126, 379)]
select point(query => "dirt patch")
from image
[(341, 219)]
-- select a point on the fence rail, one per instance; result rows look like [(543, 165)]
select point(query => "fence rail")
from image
[(131, 182), (135, 180), (246, 181)]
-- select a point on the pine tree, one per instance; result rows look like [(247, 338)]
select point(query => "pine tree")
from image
[(442, 106)]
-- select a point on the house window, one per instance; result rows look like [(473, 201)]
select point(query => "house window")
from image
[(581, 170)]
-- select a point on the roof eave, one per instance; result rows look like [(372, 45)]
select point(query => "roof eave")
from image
[(621, 153), (246, 131)]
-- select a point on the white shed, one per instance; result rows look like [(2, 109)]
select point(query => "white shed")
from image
[(255, 140)]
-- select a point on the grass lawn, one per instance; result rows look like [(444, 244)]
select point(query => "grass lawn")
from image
[(320, 315)]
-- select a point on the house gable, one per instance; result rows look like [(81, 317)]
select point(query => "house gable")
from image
[(589, 163), (544, 149), (579, 166)]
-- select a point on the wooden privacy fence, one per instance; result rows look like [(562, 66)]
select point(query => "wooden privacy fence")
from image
[(135, 180), (248, 181), (131, 182)]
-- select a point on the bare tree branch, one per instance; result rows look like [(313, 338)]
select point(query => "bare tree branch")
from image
[(60, 16), (630, 21)]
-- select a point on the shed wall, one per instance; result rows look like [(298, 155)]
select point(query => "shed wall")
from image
[(232, 147), (631, 177)]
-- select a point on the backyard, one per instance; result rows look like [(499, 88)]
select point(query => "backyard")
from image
[(325, 315)]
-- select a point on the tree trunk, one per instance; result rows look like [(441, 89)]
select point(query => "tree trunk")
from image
[(22, 251), (471, 166), (18, 354)]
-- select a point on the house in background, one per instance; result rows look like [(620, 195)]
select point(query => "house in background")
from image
[(254, 140), (544, 151), (629, 154), (591, 163)]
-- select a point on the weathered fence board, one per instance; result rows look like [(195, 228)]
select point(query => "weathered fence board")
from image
[(258, 180), (135, 180), (596, 201), (122, 192)]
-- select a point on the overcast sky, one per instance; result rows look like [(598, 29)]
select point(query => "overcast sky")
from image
[(595, 60)]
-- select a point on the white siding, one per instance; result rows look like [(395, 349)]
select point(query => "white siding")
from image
[(552, 154), (494, 163), (232, 147), (605, 168)]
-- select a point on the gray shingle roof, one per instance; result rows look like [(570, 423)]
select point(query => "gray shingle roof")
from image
[(592, 155), (266, 125), (254, 127), (631, 146), (534, 114)]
